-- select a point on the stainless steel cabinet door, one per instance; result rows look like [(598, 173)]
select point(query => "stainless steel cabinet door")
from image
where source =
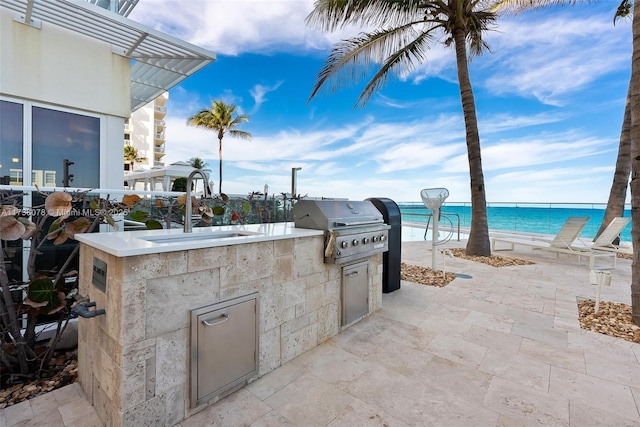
[(355, 292), (226, 350)]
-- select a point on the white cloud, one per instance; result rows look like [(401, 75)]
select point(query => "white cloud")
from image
[(501, 121), (258, 93), (549, 56), (550, 185), (540, 150), (232, 27)]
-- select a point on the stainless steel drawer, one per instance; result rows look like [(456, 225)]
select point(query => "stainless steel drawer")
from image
[(224, 347), (355, 292)]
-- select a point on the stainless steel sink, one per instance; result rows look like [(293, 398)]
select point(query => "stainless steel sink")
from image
[(192, 237)]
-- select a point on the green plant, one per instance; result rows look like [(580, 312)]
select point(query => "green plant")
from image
[(44, 292), (180, 184)]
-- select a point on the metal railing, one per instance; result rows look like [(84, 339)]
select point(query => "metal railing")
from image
[(521, 217), (446, 215), (264, 208)]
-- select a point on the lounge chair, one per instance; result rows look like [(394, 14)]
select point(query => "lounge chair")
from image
[(568, 233), (605, 241), (564, 242)]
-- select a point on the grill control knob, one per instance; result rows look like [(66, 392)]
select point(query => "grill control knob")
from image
[(344, 244), (375, 239), (355, 242), (365, 240), (383, 238)]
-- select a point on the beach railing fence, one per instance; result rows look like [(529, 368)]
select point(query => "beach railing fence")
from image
[(520, 217)]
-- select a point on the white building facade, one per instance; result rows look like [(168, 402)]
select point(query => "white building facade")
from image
[(72, 73), (145, 131)]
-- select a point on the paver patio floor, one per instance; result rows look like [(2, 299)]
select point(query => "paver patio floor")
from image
[(502, 347)]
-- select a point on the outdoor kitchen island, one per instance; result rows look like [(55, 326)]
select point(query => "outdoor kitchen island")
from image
[(138, 363)]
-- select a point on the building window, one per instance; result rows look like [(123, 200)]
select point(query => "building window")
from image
[(55, 136), (49, 178), (11, 137), (58, 135), (15, 177)]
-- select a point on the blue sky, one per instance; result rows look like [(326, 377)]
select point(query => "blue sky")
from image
[(550, 100)]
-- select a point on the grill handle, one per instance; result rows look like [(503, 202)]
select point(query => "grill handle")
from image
[(354, 223), (223, 316)]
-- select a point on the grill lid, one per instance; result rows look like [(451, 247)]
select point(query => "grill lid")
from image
[(332, 214)]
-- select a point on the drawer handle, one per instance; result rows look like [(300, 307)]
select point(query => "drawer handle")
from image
[(224, 317), (355, 273)]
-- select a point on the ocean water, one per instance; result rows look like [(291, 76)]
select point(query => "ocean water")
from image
[(526, 218)]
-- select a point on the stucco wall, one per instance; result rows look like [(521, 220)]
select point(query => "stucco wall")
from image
[(61, 67)]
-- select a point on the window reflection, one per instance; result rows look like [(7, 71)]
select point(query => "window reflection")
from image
[(59, 135), (56, 136), (11, 136)]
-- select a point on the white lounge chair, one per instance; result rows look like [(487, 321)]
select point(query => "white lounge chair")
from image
[(564, 242), (605, 241), (568, 233)]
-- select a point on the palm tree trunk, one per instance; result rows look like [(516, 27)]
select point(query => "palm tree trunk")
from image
[(478, 243), (220, 165), (618, 193), (635, 166)]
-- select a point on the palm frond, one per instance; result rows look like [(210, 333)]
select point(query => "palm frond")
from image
[(351, 60), (519, 6), (400, 40), (330, 15), (240, 134), (220, 117), (624, 10), (401, 60)]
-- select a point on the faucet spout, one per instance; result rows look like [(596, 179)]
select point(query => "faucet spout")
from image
[(188, 211), (82, 310)]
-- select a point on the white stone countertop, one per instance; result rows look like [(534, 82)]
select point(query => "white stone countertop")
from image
[(144, 242)]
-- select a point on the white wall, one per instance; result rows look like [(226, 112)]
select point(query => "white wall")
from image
[(61, 67)]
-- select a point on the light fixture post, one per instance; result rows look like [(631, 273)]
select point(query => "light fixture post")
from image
[(294, 176)]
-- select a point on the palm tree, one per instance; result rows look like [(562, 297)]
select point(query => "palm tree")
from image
[(618, 192), (634, 95), (220, 118), (131, 156), (198, 163), (405, 31), (629, 147)]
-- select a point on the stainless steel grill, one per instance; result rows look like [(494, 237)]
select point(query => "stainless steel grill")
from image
[(353, 229)]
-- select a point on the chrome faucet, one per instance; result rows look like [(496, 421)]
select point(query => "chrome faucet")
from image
[(188, 209)]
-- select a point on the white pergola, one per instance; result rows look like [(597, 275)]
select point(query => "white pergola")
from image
[(158, 61), (160, 179)]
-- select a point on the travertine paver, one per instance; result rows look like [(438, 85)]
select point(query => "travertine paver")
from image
[(517, 368), (586, 389), (310, 401), (526, 404), (18, 413), (502, 348)]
